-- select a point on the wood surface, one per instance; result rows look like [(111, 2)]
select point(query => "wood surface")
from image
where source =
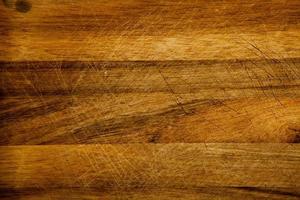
[(165, 170), (140, 99)]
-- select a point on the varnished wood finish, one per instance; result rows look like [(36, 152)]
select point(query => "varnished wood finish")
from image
[(138, 99)]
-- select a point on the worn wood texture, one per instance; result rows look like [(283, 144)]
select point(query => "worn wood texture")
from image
[(149, 30), (168, 168), (139, 99), (165, 101)]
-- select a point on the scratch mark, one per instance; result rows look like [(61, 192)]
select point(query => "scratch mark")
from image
[(172, 92)]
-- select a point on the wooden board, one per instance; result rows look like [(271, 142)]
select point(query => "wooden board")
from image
[(164, 102), (149, 30), (138, 99), (140, 169)]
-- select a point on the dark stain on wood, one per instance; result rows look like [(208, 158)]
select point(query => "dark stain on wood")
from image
[(296, 133), (287, 194), (23, 6), (154, 138)]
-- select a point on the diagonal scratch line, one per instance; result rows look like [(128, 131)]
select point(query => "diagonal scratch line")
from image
[(172, 92)]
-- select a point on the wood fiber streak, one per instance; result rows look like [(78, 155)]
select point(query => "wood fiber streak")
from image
[(141, 99), (235, 169)]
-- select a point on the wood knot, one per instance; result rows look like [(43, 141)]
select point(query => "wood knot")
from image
[(154, 138), (23, 6)]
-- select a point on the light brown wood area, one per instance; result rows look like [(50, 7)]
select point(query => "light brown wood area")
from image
[(148, 30), (138, 99), (165, 170)]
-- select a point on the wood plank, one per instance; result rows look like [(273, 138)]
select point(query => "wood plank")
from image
[(57, 121), (163, 166), (220, 79), (155, 101), (148, 30)]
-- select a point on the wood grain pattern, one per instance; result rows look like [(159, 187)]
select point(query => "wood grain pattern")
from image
[(164, 102), (139, 167), (149, 30), (139, 99)]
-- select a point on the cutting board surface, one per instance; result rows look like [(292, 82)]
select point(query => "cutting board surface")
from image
[(138, 99)]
